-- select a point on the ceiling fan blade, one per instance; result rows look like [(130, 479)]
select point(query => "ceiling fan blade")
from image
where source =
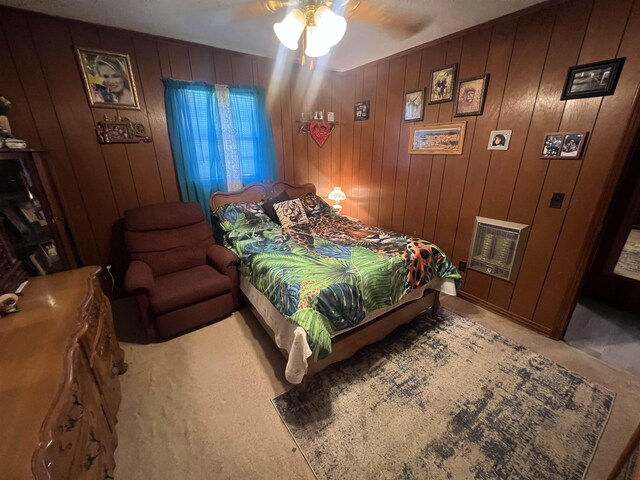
[(403, 25)]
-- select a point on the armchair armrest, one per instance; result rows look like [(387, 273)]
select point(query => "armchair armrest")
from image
[(221, 258), (139, 277)]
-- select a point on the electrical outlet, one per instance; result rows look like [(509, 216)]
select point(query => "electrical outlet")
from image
[(462, 266), (556, 200)]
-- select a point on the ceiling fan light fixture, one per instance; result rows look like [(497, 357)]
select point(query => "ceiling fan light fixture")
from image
[(316, 44), (331, 27), (290, 28)]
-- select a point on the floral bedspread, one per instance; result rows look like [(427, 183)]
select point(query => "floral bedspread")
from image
[(328, 274)]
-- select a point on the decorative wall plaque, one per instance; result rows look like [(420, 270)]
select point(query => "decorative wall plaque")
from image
[(120, 130)]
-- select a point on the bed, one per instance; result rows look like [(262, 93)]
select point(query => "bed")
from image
[(326, 287)]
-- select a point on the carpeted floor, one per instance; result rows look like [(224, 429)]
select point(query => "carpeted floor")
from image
[(199, 406), (447, 398)]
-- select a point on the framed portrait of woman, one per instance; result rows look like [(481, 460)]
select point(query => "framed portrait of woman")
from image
[(108, 78)]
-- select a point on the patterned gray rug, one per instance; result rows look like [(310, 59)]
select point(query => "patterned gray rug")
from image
[(447, 399)]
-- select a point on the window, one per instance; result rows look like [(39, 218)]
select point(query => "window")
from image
[(221, 137)]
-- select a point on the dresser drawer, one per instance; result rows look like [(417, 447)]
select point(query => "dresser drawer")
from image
[(56, 455)]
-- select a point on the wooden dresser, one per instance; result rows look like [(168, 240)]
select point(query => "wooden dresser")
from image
[(59, 387)]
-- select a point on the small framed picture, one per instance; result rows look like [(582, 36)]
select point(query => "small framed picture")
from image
[(331, 117), (318, 115), (108, 78), (471, 95), (592, 79), (564, 145), (361, 111), (437, 138), (414, 106), (443, 83), (499, 140)]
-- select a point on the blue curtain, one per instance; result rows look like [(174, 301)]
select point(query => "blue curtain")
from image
[(254, 135), (195, 131)]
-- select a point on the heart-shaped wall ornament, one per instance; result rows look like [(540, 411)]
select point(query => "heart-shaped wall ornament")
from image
[(319, 131)]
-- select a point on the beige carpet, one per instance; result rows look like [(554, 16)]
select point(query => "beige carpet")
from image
[(199, 406)]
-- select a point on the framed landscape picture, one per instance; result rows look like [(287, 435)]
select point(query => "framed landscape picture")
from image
[(443, 82), (437, 138), (471, 95), (108, 78), (592, 79), (560, 145), (414, 106)]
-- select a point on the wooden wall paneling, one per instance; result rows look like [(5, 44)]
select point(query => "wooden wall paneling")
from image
[(242, 69), (179, 61), (36, 90), (521, 90), (114, 155), (201, 63), (395, 101), (434, 57), (445, 114), (273, 95), (289, 128), (142, 159), (420, 165), (498, 60), (583, 219), (563, 50), (411, 82), (222, 67), (299, 103), (163, 57), (353, 207), (149, 65), (22, 122), (336, 135), (324, 153), (347, 95), (55, 50), (473, 61), (382, 85), (370, 76)]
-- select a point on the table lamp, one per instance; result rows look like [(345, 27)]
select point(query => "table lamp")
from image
[(337, 195)]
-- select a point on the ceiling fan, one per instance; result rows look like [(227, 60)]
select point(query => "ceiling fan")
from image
[(321, 24)]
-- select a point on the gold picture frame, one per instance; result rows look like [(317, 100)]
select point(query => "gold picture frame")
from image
[(437, 138), (107, 78)]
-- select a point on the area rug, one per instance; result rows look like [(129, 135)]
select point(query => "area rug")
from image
[(447, 398)]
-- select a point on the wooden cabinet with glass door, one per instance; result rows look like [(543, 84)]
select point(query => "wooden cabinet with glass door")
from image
[(31, 213)]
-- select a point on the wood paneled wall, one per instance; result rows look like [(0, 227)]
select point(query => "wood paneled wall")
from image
[(432, 196), (38, 72), (437, 197)]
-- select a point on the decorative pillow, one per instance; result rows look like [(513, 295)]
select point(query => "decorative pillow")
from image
[(231, 215), (291, 213), (268, 205), (315, 206)]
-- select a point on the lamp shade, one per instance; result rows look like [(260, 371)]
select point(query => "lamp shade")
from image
[(289, 30), (331, 27), (337, 194), (317, 45)]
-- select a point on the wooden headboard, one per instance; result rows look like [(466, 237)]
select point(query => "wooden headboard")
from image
[(257, 192)]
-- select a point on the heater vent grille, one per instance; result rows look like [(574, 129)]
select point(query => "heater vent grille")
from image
[(498, 247)]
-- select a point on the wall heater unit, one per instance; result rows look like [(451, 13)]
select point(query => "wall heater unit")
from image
[(498, 247)]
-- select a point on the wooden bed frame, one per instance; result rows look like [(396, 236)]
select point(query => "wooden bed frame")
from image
[(347, 344)]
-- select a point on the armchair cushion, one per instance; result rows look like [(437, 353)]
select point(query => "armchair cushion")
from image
[(221, 258), (139, 277), (187, 287)]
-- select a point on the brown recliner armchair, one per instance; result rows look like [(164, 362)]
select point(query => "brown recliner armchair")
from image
[(181, 279)]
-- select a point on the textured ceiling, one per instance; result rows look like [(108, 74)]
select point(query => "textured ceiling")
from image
[(219, 23)]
